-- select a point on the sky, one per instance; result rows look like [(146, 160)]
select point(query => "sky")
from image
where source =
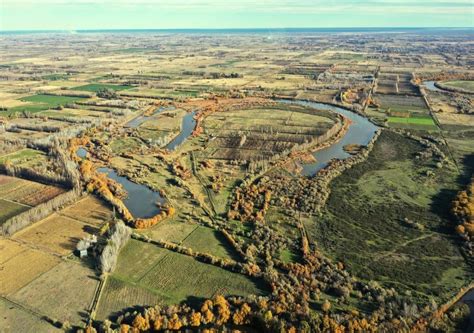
[(158, 14)]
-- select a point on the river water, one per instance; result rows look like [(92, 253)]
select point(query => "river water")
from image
[(137, 121), (360, 132), (187, 128), (141, 200)]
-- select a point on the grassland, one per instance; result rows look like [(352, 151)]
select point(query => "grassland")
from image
[(365, 225), (466, 85)]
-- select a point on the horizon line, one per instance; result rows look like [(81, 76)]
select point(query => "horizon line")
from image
[(234, 28)]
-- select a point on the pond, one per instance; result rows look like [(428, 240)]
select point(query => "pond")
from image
[(141, 200), (360, 132), (430, 85), (81, 152)]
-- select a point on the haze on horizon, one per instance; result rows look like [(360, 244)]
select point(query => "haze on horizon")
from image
[(156, 14)]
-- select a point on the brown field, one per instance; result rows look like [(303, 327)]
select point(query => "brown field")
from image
[(22, 266), (68, 288), (33, 194), (89, 210), (14, 319), (56, 233)]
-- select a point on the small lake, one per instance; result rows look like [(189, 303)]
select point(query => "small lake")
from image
[(81, 152), (137, 121), (141, 200), (430, 85), (187, 128), (360, 132)]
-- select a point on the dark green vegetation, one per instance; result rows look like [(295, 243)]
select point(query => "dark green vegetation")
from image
[(94, 87), (387, 219), (9, 209)]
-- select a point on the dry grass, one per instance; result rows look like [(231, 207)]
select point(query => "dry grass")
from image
[(72, 286), (89, 210), (23, 266)]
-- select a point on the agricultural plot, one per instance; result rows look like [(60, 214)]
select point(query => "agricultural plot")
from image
[(261, 133), (16, 319), (24, 157), (73, 286), (94, 87), (197, 279), (20, 265), (57, 234), (18, 195), (146, 274), (89, 210), (171, 231), (368, 209), (43, 102), (9, 209), (118, 296), (207, 240)]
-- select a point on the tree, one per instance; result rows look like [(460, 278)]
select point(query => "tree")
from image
[(107, 93), (326, 306)]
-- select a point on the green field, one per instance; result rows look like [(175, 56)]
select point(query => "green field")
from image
[(413, 122), (55, 77), (94, 87), (207, 240), (364, 224), (466, 85), (23, 156), (42, 102), (146, 273), (9, 209)]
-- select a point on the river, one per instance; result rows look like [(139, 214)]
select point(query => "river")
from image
[(360, 132), (187, 128), (137, 121)]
